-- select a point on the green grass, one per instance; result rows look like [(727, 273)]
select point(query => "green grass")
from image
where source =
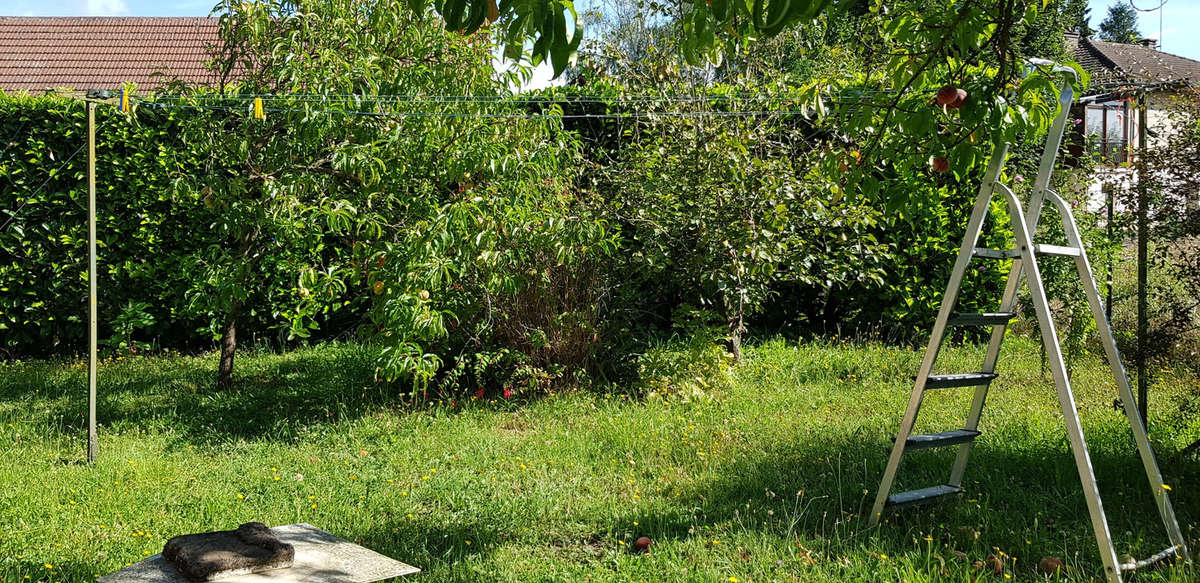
[(767, 481)]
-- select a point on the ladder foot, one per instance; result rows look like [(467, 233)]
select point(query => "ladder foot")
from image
[(1155, 559)]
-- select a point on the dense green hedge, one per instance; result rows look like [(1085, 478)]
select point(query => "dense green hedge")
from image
[(846, 265), (150, 234), (43, 202)]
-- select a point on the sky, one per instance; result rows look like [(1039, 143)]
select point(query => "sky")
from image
[(106, 7), (1180, 18), (1180, 23)]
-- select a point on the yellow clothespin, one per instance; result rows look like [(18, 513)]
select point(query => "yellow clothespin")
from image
[(124, 101), (258, 109)]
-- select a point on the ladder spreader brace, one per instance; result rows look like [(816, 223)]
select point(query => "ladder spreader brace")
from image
[(1025, 268)]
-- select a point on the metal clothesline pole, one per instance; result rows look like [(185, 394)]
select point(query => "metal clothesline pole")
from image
[(93, 443), (1143, 226)]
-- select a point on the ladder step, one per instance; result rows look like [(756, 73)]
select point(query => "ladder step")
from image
[(967, 379), (994, 253), (982, 319), (1154, 559), (920, 496), (943, 439), (1053, 250), (1057, 250)]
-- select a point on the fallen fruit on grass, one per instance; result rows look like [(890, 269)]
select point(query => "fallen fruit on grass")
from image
[(1050, 565), (939, 164), (996, 564), (642, 544)]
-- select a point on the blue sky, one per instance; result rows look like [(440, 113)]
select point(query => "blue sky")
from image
[(1180, 22), (106, 7)]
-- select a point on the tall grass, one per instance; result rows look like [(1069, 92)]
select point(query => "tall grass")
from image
[(769, 480)]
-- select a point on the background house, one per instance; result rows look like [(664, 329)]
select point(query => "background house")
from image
[(39, 54), (1111, 127), (1109, 130)]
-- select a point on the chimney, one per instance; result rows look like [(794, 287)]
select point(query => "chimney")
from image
[(1149, 43), (1071, 39)]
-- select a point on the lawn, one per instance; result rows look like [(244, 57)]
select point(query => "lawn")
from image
[(768, 480)]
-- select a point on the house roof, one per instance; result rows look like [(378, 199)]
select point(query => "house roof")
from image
[(39, 53), (1133, 63)]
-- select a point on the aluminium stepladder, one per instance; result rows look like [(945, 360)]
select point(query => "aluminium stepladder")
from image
[(1025, 268)]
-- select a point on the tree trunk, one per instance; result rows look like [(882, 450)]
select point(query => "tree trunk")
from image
[(228, 346), (737, 326), (735, 338)]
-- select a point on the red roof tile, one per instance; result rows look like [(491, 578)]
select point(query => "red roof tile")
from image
[(39, 53), (1130, 63)]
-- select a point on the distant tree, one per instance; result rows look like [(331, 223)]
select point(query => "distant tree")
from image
[(1120, 26), (1045, 36), (1079, 16)]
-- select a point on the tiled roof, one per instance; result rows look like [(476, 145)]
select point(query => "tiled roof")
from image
[(1131, 63), (103, 52)]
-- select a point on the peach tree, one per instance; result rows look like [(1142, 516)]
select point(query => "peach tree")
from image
[(435, 220)]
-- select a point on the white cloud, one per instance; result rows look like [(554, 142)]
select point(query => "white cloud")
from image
[(107, 7)]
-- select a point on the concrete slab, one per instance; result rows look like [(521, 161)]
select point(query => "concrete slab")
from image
[(320, 557)]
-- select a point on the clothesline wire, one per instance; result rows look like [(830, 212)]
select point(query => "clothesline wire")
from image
[(12, 216), (481, 115), (425, 98)]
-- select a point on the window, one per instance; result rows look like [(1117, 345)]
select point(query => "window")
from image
[(1110, 129)]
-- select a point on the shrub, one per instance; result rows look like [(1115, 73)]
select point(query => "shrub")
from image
[(690, 365)]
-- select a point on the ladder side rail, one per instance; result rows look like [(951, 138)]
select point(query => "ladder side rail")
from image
[(979, 399), (974, 226), (1066, 399), (1008, 300), (1066, 96), (1125, 391), (1008, 303)]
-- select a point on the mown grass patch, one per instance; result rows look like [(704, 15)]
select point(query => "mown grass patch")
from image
[(768, 480)]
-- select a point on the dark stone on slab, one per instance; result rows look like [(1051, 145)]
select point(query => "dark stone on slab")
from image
[(210, 556), (320, 557)]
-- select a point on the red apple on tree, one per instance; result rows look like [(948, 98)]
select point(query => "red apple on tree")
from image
[(939, 164), (951, 97), (960, 97), (946, 95)]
